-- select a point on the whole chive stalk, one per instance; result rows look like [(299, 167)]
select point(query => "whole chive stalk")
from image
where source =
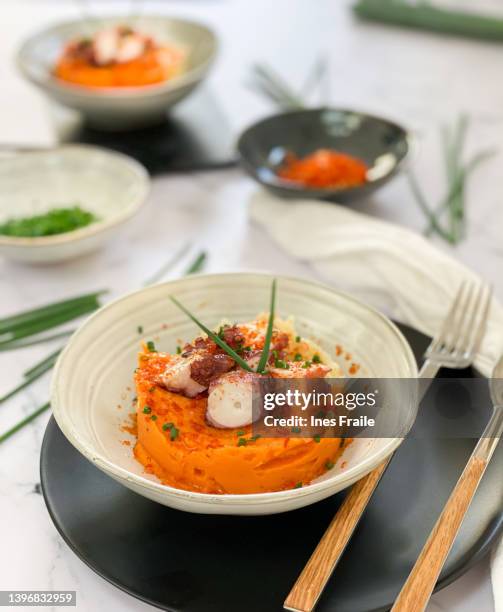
[(28, 317), (273, 86), (216, 339), (24, 422), (426, 16), (50, 360), (458, 184), (43, 324), (453, 228), (32, 375), (39, 339), (165, 268), (268, 335), (197, 265)]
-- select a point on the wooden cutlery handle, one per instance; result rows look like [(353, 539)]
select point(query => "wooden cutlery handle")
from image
[(417, 590), (421, 581), (314, 576)]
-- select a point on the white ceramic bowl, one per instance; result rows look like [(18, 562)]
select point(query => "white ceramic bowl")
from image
[(111, 185), (92, 390), (125, 107)]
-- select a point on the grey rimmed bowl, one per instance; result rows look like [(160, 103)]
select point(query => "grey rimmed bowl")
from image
[(380, 143)]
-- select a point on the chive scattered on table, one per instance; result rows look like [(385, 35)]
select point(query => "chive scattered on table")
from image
[(197, 265), (32, 375), (24, 422), (448, 219), (427, 16)]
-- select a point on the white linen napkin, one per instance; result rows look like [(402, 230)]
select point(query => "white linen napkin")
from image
[(389, 266)]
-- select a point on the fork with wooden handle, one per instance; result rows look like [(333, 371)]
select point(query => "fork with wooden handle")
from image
[(419, 586), (455, 347)]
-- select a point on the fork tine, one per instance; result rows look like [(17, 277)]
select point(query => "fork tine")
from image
[(441, 338), (480, 330)]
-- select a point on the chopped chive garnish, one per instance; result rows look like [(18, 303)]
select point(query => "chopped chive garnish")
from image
[(215, 337), (317, 439), (296, 430), (242, 442), (329, 465), (240, 433), (316, 358), (151, 346), (255, 437), (298, 485), (306, 364), (147, 410), (153, 417), (151, 390), (173, 434), (283, 365), (178, 350), (268, 335), (167, 426), (139, 329), (297, 357), (297, 338)]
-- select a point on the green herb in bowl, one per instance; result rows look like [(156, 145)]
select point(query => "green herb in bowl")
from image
[(55, 221)]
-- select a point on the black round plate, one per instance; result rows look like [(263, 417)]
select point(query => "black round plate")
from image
[(204, 563)]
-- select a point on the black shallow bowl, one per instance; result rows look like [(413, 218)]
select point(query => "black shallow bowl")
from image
[(381, 144)]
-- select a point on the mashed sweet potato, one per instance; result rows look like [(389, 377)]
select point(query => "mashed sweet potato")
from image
[(118, 57), (177, 444)]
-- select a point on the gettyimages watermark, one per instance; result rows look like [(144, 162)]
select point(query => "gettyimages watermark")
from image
[(370, 407)]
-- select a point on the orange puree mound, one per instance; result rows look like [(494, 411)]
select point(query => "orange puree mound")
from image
[(192, 455), (153, 66)]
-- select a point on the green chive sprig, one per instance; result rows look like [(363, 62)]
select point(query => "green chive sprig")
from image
[(24, 422), (267, 82), (33, 374), (264, 357), (16, 329), (197, 265), (224, 346), (216, 339), (427, 16), (448, 219)]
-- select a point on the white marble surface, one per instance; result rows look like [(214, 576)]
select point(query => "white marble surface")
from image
[(417, 79)]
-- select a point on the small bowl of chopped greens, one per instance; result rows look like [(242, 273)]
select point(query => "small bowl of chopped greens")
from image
[(65, 202)]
